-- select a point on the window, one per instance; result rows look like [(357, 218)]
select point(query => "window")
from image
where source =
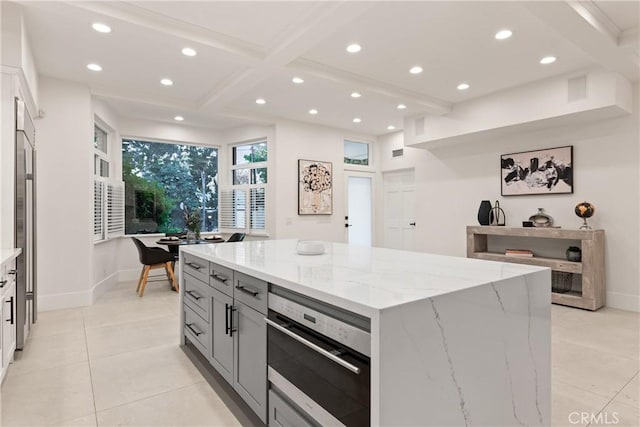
[(100, 152), (108, 195), (163, 179), (356, 153), (243, 205)]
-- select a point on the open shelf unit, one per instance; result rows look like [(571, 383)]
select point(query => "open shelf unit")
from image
[(591, 268)]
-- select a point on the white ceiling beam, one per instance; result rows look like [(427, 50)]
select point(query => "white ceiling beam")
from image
[(586, 26), (141, 98), (245, 52), (323, 19), (370, 86)]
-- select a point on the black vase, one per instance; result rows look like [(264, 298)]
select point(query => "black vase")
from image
[(484, 213)]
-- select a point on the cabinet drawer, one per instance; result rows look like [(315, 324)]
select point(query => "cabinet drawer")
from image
[(196, 267), (198, 331), (221, 278), (282, 414), (197, 296), (250, 291)]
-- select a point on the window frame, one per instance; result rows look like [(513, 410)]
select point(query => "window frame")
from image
[(370, 150), (247, 188), (220, 150)]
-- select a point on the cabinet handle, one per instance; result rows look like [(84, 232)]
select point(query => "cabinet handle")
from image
[(12, 271), (194, 265), (226, 319), (220, 278), (194, 295), (247, 291), (229, 319), (10, 302), (188, 325), (2, 283)]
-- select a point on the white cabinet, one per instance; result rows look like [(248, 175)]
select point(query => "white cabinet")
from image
[(7, 313)]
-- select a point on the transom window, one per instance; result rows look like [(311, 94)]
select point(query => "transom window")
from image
[(356, 153)]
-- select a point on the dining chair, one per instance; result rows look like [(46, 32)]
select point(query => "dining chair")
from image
[(152, 258), (236, 237)]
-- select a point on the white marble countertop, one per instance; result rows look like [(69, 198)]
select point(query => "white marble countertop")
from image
[(363, 279), (9, 254)]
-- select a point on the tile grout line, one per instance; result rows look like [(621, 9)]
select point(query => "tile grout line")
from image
[(93, 391), (616, 395), (152, 396)]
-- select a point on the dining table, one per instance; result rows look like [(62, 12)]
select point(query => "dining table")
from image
[(173, 245)]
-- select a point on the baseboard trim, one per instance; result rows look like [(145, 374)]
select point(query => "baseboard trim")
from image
[(66, 300), (104, 285), (623, 301)]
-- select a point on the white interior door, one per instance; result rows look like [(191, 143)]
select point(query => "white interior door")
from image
[(358, 218), (399, 210)]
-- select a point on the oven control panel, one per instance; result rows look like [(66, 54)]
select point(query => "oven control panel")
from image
[(331, 327)]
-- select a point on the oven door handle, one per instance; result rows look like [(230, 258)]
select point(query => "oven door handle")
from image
[(314, 347)]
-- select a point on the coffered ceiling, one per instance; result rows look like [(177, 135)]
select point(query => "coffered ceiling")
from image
[(251, 50)]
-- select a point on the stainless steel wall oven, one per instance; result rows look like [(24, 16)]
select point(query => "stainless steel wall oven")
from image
[(319, 358)]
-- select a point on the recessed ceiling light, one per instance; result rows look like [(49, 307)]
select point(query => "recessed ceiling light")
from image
[(100, 27), (94, 67), (356, 120), (297, 80), (463, 86), (401, 106), (503, 34), (166, 82), (187, 51), (178, 118), (355, 95), (391, 127), (354, 48), (260, 101), (313, 111), (548, 60), (416, 69)]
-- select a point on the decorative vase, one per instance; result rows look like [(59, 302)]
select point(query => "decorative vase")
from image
[(574, 254), (191, 235), (496, 216), (484, 213), (541, 219)]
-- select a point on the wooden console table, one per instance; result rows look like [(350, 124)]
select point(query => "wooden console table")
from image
[(591, 268)]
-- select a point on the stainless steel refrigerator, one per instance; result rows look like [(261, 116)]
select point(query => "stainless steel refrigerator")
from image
[(25, 223)]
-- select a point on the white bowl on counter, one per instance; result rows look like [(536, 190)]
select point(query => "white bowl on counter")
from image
[(310, 247)]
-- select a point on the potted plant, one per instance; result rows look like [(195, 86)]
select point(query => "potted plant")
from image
[(192, 221)]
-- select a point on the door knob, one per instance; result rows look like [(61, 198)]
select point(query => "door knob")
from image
[(412, 223), (348, 225)]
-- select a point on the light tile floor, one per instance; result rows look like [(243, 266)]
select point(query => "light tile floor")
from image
[(118, 363)]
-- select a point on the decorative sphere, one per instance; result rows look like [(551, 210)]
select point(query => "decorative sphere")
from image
[(585, 210)]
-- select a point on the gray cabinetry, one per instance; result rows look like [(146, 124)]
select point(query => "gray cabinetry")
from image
[(227, 326), (282, 414), (222, 348), (250, 358)]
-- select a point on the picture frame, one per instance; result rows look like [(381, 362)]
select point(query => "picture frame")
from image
[(545, 171), (315, 187)]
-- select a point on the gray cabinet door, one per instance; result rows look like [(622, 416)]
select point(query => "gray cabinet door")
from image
[(250, 361), (222, 341)]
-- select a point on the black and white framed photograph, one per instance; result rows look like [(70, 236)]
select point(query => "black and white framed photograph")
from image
[(547, 171), (315, 188)]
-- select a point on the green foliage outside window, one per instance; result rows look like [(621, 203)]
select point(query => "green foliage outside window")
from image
[(160, 178)]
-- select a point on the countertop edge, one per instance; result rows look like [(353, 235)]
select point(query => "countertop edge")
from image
[(7, 255)]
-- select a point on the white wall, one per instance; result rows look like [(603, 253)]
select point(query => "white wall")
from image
[(297, 140), (65, 194), (451, 182)]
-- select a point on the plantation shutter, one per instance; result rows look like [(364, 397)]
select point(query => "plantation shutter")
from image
[(233, 209), (98, 210), (115, 209), (257, 203)]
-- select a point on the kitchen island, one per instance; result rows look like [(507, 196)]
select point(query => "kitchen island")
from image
[(453, 341)]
